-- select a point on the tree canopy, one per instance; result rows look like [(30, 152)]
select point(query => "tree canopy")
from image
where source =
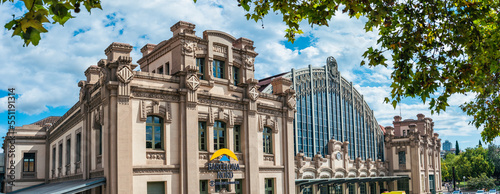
[(437, 48), (31, 24)]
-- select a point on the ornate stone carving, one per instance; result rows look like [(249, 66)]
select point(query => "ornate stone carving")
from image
[(166, 97), (220, 103), (188, 47), (155, 107), (249, 61), (253, 93), (155, 170), (269, 158), (193, 82), (155, 156), (291, 102), (125, 74), (211, 116)]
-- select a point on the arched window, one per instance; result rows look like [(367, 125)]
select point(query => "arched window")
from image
[(154, 132), (267, 140), (219, 135)]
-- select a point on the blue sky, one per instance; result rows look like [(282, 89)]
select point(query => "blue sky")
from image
[(46, 76)]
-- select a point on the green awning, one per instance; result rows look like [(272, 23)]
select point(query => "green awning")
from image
[(321, 182), (64, 187)]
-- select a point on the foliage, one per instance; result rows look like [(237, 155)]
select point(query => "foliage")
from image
[(480, 145), (438, 48), (481, 182), (471, 163), (31, 24), (494, 157), (445, 172)]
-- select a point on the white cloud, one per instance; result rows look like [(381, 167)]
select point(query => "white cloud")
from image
[(47, 75)]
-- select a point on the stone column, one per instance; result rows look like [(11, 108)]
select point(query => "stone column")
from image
[(252, 134)]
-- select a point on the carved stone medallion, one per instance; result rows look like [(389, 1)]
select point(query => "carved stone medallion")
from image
[(249, 61), (291, 102), (253, 93), (193, 82), (125, 75), (339, 156)]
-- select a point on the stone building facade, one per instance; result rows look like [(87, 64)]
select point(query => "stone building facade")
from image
[(156, 130), (414, 150)]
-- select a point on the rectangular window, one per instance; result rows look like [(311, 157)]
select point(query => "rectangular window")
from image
[(269, 189), (202, 136), (362, 188), (219, 135), (160, 70), (218, 69), (78, 147), (60, 155), (156, 187), (167, 68), (99, 138), (54, 158), (351, 189), (203, 186), (29, 162), (339, 189), (236, 72), (68, 151), (237, 139), (238, 188), (267, 140), (402, 157), (200, 63)]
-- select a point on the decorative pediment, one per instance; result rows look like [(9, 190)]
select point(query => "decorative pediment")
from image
[(266, 121), (157, 108), (98, 117)]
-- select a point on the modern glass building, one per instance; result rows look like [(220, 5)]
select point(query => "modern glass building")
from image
[(328, 106)]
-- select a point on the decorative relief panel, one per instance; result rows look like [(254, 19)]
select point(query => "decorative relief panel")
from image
[(155, 107), (265, 120), (125, 75), (220, 103), (166, 97), (155, 156), (253, 93), (193, 82), (249, 61)]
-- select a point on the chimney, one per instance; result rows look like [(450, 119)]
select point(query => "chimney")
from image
[(280, 85), (116, 50), (146, 49), (183, 27), (420, 116), (244, 43), (397, 118), (92, 74)]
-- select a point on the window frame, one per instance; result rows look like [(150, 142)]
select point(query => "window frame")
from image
[(160, 70), (236, 71), (200, 63), (68, 151), (167, 68), (78, 147), (60, 162), (204, 187), (218, 67), (402, 157), (267, 146), (99, 140), (29, 170), (153, 125), (220, 130), (202, 138), (268, 187), (237, 138)]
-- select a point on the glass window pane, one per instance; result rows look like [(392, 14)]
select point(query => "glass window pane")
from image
[(149, 144), (149, 119), (149, 133)]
